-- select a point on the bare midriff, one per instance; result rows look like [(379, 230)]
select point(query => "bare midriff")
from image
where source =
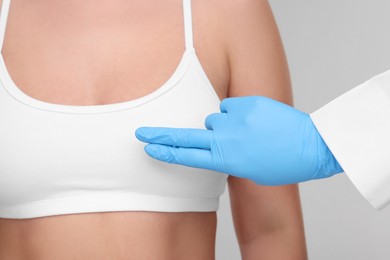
[(94, 53), (111, 235)]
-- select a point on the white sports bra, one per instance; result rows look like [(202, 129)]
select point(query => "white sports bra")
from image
[(61, 159)]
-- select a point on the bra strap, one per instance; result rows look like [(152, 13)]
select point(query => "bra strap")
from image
[(3, 20), (188, 24)]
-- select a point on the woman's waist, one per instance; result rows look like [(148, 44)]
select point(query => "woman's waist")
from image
[(110, 235)]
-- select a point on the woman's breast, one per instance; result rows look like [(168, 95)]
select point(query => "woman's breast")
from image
[(114, 235), (70, 159)]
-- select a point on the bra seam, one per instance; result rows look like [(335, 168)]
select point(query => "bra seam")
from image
[(98, 197), (206, 79)]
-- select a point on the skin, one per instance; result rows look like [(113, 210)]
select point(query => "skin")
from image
[(83, 53)]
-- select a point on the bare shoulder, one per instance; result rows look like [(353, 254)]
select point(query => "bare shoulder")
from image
[(241, 7), (231, 15), (245, 21), (234, 14)]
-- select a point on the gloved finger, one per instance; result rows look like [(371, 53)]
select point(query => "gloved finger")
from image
[(185, 156), (225, 104), (228, 103), (214, 119), (180, 137)]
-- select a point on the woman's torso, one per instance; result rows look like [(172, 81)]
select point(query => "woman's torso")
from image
[(125, 43)]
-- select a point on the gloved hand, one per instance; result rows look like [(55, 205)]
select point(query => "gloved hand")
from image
[(254, 137)]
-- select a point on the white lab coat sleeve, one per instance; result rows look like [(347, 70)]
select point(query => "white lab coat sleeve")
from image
[(356, 128)]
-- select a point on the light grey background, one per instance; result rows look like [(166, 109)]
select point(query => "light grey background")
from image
[(331, 47)]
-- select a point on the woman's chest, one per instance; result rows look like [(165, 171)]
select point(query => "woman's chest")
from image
[(80, 149), (100, 56)]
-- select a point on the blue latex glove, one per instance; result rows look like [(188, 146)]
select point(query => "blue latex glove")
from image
[(253, 137)]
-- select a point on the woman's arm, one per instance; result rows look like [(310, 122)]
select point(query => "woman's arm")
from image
[(268, 220)]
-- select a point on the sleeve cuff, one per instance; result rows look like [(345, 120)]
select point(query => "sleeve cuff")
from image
[(356, 128)]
